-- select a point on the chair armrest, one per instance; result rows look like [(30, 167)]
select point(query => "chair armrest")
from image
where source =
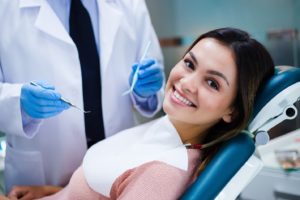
[(241, 179)]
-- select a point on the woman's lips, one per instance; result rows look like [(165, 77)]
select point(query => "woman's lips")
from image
[(178, 98)]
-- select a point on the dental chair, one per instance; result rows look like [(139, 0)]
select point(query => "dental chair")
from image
[(235, 164)]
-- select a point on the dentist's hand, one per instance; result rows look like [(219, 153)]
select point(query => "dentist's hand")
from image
[(41, 101), (150, 78)]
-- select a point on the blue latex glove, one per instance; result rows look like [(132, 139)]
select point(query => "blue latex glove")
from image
[(150, 78), (41, 101)]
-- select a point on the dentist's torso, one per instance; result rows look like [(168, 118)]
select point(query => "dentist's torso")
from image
[(34, 45)]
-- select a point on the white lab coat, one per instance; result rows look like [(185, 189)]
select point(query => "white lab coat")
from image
[(34, 45)]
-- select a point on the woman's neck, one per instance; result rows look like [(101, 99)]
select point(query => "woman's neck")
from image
[(189, 133)]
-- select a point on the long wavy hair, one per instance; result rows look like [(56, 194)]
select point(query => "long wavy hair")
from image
[(254, 65)]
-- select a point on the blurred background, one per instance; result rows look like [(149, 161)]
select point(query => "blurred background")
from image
[(275, 23)]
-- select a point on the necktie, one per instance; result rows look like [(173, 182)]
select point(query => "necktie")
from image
[(81, 31)]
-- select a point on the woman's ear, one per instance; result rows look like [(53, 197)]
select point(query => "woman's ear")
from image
[(229, 116)]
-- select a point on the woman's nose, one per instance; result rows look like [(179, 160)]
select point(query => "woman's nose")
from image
[(189, 83)]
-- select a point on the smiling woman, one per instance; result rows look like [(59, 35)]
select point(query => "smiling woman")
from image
[(208, 99)]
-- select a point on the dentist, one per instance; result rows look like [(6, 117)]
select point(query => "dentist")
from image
[(83, 52)]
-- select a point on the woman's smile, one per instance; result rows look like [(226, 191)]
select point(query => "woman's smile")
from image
[(178, 98)]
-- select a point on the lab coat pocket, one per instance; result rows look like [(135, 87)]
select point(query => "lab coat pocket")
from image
[(23, 168)]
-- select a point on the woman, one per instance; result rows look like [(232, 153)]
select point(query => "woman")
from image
[(208, 99)]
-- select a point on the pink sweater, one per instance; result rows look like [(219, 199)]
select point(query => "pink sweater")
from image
[(152, 180)]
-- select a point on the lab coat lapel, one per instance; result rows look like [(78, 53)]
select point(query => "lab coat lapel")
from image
[(47, 21), (110, 18)]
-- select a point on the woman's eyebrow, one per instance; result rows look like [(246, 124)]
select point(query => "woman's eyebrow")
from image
[(210, 71), (219, 74), (193, 57)]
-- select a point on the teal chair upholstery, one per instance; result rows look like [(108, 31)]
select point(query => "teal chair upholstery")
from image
[(273, 104)]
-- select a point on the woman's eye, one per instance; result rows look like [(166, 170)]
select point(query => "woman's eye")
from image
[(189, 64), (213, 84)]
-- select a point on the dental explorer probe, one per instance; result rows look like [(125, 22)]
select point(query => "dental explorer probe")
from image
[(136, 73)]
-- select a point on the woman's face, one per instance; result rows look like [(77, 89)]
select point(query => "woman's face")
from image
[(202, 86)]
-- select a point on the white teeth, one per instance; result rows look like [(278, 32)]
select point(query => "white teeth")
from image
[(182, 99)]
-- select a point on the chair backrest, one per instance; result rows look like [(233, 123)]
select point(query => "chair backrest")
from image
[(273, 104)]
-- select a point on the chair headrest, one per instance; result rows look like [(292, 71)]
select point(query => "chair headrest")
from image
[(284, 77), (274, 102)]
